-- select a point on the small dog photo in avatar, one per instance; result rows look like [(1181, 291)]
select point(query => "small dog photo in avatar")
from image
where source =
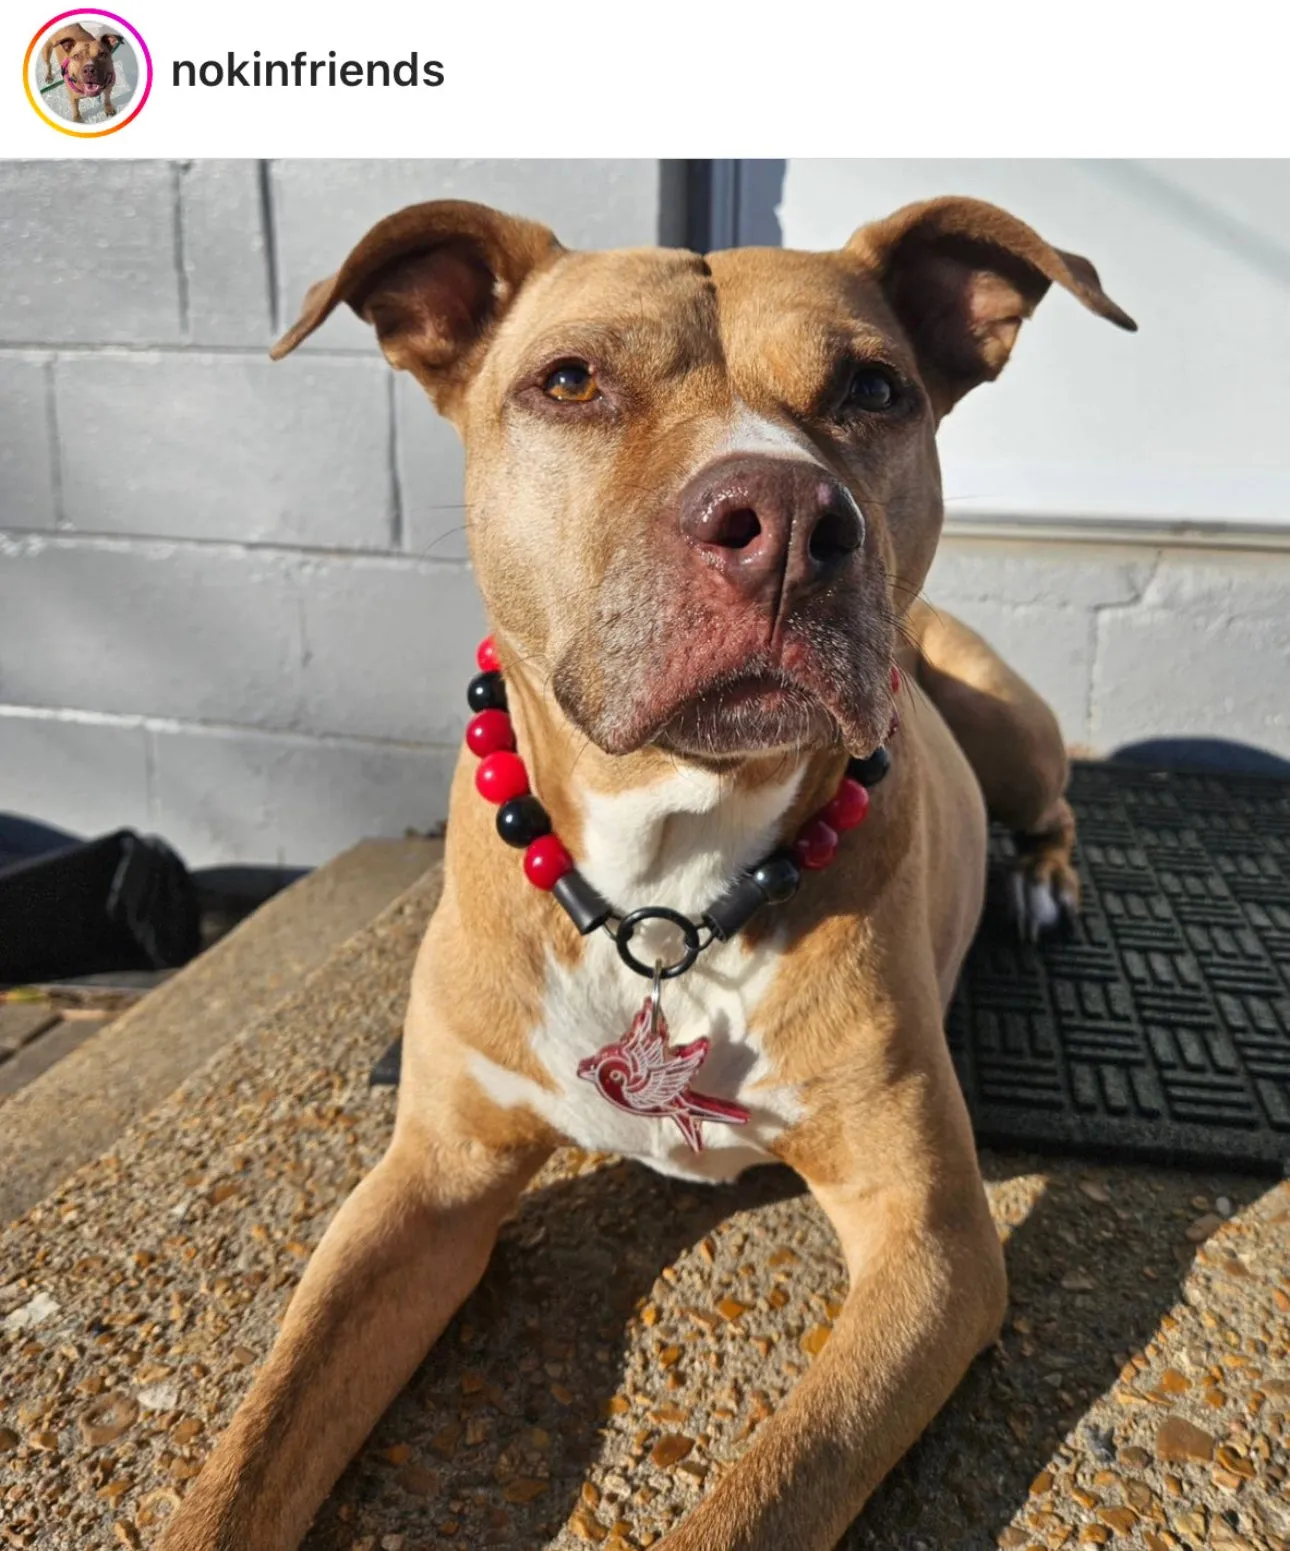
[(87, 72)]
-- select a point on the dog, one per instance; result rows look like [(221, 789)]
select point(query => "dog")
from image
[(703, 496), (86, 65)]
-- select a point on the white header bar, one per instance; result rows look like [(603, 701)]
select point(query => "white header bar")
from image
[(670, 78)]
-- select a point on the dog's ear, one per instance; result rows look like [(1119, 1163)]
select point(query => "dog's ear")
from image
[(68, 43), (432, 280), (111, 40), (961, 276)]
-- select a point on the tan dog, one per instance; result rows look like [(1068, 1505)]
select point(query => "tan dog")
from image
[(703, 497), (86, 65)]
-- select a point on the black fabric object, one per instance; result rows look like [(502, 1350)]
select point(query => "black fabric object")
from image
[(123, 901), (387, 1071)]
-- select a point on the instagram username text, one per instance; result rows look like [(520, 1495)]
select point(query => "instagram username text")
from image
[(304, 71)]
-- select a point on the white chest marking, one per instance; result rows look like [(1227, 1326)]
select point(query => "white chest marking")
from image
[(676, 843)]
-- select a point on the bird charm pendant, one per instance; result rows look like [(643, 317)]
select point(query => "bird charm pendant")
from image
[(644, 1075)]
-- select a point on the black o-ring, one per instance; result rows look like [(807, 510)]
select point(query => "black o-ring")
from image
[(627, 930)]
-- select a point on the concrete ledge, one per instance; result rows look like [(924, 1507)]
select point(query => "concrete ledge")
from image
[(79, 1107)]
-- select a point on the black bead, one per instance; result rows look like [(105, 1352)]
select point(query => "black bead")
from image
[(521, 820), (777, 877), (487, 692), (583, 905), (872, 770)]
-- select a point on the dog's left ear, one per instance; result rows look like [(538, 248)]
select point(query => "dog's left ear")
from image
[(961, 276), (113, 40)]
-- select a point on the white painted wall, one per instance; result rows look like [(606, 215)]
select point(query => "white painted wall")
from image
[(1185, 420)]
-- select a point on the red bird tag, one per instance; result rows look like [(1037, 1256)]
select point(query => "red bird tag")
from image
[(644, 1075)]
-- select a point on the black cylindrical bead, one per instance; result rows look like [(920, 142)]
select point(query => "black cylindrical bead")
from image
[(521, 820), (872, 770), (487, 692), (584, 906), (732, 912), (777, 877)]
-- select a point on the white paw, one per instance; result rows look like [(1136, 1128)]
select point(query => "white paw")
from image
[(1037, 905)]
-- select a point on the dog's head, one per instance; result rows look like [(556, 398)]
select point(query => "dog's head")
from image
[(88, 61), (701, 492)]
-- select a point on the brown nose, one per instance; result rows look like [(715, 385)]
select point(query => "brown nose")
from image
[(771, 526)]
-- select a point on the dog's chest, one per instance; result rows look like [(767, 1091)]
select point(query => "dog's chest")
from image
[(677, 844)]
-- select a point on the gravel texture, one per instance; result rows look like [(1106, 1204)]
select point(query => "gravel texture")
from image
[(630, 1335)]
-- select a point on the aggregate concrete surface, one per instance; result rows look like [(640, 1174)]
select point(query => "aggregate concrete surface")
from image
[(630, 1334)]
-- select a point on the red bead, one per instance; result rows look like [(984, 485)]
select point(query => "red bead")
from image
[(501, 776), (486, 656), (489, 733), (816, 844), (848, 807), (546, 861), (895, 679)]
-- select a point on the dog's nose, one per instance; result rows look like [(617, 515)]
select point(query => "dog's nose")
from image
[(771, 525)]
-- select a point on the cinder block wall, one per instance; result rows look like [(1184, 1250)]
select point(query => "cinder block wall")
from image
[(235, 608), (1131, 642)]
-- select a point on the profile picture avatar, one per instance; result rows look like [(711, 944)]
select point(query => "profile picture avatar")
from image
[(88, 73)]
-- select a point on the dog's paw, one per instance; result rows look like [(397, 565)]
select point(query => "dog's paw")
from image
[(1043, 894), (109, 112)]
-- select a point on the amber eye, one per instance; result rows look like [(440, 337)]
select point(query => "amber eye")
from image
[(572, 383), (871, 390)]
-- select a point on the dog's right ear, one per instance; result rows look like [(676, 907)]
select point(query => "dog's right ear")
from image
[(432, 280)]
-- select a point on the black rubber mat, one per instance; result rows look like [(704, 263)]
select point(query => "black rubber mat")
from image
[(1158, 1026)]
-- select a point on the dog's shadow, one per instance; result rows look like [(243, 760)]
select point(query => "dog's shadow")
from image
[(622, 1309)]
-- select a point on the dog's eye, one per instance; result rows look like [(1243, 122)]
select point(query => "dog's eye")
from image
[(871, 390), (572, 383)]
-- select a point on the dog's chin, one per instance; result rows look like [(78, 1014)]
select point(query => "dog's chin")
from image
[(755, 715)]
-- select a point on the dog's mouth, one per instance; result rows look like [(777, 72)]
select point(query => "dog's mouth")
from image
[(736, 696)]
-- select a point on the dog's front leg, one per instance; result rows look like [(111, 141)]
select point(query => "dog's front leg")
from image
[(108, 110), (927, 1293), (404, 1251)]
